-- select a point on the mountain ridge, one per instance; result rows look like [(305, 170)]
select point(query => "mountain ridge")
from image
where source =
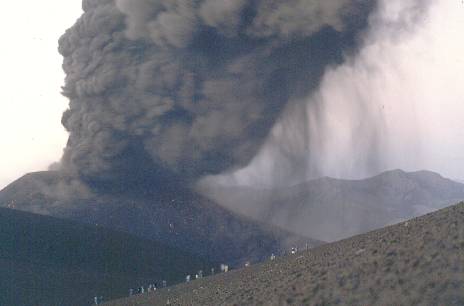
[(169, 214), (50, 261), (417, 262), (330, 209)]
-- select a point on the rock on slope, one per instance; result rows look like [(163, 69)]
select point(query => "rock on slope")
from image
[(171, 214), (48, 261), (332, 209), (418, 262)]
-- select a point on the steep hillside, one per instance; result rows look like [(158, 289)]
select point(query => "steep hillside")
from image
[(170, 214), (331, 209), (47, 261), (418, 262)]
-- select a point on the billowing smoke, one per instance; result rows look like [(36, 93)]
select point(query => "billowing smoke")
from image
[(396, 103), (186, 88)]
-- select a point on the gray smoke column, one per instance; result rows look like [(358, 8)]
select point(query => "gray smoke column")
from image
[(397, 102), (183, 89)]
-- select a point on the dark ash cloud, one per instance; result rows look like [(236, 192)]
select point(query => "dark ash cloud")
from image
[(183, 89)]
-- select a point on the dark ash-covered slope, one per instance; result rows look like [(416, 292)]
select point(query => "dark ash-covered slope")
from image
[(174, 215), (332, 209), (418, 262), (48, 261)]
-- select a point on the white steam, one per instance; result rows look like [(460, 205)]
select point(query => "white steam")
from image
[(398, 103)]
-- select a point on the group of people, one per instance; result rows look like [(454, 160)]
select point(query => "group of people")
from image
[(150, 288), (188, 278)]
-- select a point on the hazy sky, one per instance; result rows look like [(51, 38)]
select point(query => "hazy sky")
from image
[(31, 135)]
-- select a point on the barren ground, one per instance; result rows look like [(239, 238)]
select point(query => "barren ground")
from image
[(419, 262)]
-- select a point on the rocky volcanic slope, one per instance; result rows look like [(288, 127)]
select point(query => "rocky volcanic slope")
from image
[(48, 261), (173, 215), (418, 262), (332, 209)]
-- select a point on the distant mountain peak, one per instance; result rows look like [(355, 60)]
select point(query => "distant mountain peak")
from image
[(392, 173), (330, 209)]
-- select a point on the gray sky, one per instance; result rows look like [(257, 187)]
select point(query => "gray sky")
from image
[(31, 135)]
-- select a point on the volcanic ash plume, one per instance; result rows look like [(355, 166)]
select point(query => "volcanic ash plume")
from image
[(186, 88), (395, 103)]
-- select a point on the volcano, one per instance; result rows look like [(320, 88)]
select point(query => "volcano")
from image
[(175, 216)]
